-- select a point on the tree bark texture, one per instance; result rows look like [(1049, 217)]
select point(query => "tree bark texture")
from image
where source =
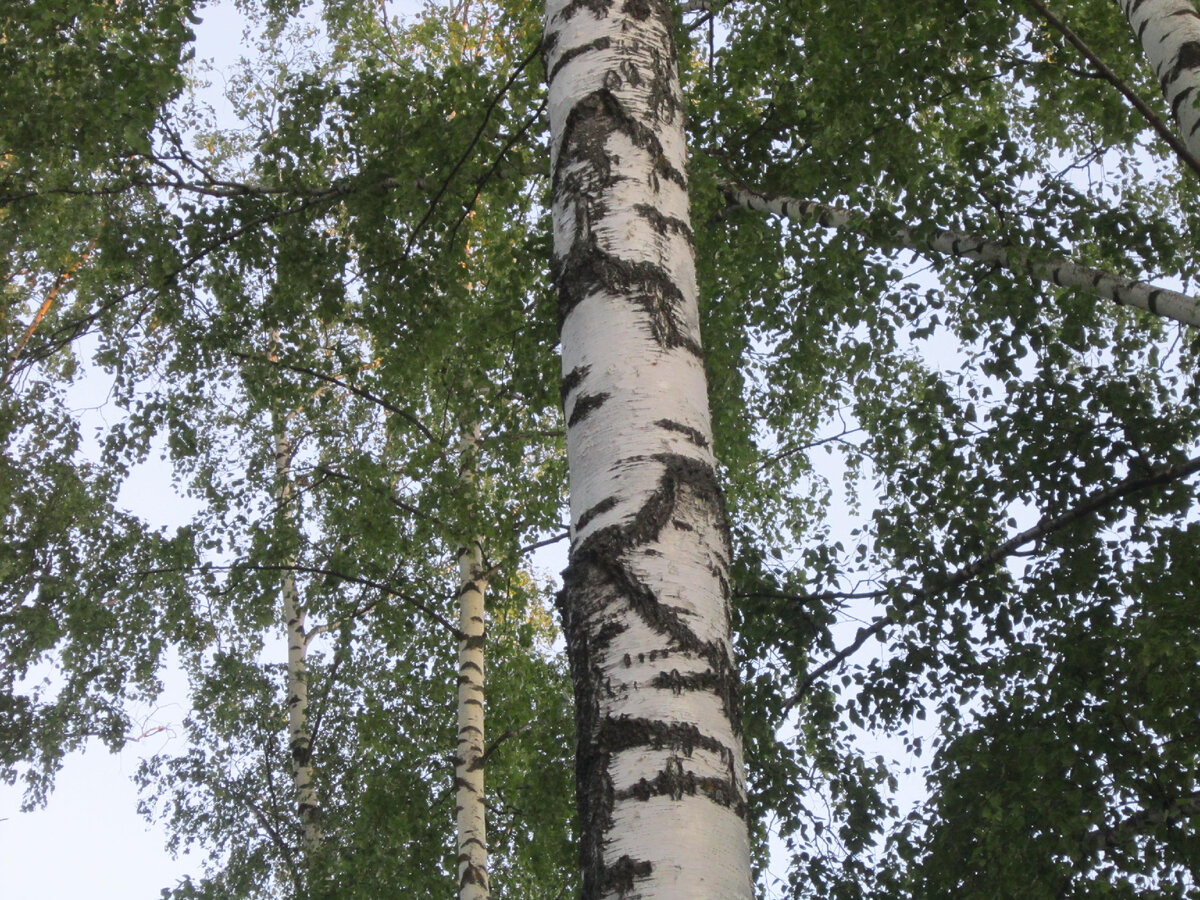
[(1169, 31), (469, 760), (645, 602), (299, 739), (959, 245)]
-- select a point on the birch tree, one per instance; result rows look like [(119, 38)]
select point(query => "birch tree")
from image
[(661, 781)]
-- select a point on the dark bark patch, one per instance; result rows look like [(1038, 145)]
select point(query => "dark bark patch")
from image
[(625, 733), (585, 406), (599, 509), (677, 684), (622, 874), (664, 224), (590, 123), (601, 43), (638, 9), (676, 783), (692, 434), (572, 380), (587, 268)]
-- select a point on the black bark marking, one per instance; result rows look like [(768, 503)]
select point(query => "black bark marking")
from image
[(586, 131), (621, 875), (639, 9), (473, 642), (601, 43), (572, 380), (471, 874), (599, 8), (602, 507), (676, 783), (595, 583), (587, 267), (626, 733), (692, 434), (694, 681), (664, 224), (585, 406)]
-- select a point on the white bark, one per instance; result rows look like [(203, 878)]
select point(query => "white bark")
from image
[(299, 739), (645, 604), (469, 760), (1169, 31), (1124, 291)]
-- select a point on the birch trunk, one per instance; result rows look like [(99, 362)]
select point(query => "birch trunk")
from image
[(645, 603), (469, 761), (299, 740), (1169, 31)]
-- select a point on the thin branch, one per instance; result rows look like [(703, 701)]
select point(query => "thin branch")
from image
[(508, 735), (59, 283), (811, 445), (407, 599), (466, 154), (1048, 526), (1155, 121), (340, 381), (529, 548), (388, 495), (357, 613)]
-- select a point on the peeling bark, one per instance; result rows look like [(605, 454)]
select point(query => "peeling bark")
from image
[(645, 603)]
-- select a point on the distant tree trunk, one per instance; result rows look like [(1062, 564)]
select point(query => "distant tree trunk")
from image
[(299, 739), (1170, 34), (469, 762), (645, 603)]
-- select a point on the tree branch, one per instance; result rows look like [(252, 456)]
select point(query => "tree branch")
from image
[(1155, 121), (1097, 502), (407, 599), (340, 381), (1125, 292), (1103, 838)]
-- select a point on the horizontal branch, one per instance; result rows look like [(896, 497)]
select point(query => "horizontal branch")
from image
[(959, 245), (1048, 526), (341, 382)]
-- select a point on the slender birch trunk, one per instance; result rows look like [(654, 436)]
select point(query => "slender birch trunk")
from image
[(645, 603), (959, 245), (1169, 31), (299, 740), (469, 760)]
